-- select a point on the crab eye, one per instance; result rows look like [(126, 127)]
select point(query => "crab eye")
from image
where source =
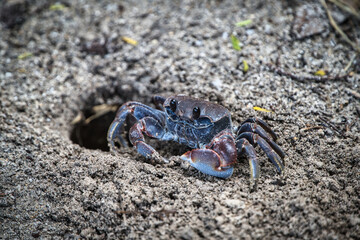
[(173, 105), (196, 112)]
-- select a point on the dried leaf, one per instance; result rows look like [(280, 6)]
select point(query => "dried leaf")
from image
[(101, 110), (235, 43), (261, 109), (129, 41), (78, 119)]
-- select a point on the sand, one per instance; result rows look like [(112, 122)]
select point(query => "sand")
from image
[(52, 187)]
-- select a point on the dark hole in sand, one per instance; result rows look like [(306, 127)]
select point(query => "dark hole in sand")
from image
[(92, 134)]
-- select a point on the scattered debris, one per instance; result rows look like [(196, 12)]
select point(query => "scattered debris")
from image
[(57, 7), (24, 55), (351, 62), (338, 29), (243, 23), (300, 78), (353, 92), (311, 127), (101, 110), (129, 41), (326, 122), (261, 109), (349, 125), (235, 42), (319, 73), (350, 6), (246, 66)]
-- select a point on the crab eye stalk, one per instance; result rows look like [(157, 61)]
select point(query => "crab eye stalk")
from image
[(196, 112), (173, 105)]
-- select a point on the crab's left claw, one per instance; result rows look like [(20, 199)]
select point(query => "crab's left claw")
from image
[(114, 135), (207, 161), (117, 127)]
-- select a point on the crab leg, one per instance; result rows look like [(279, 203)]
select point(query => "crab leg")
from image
[(151, 128), (216, 158), (263, 124), (254, 139), (255, 128), (244, 147)]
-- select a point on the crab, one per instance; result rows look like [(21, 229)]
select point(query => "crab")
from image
[(204, 126)]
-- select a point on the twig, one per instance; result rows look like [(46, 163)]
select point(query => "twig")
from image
[(337, 28), (302, 79), (350, 63), (311, 127), (353, 92), (346, 7), (349, 126), (328, 124)]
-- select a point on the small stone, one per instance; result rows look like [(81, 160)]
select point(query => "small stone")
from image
[(319, 164), (225, 35), (8, 74), (234, 203), (220, 220), (217, 83), (187, 234), (199, 43)]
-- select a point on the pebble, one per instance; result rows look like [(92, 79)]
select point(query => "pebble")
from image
[(8, 74), (234, 203)]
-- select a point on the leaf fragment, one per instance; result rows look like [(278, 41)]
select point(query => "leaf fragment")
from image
[(57, 7), (320, 73), (24, 55), (261, 109), (243, 23), (235, 42), (246, 66), (129, 41)]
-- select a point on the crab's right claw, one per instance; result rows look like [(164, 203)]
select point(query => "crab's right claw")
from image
[(207, 161), (114, 134)]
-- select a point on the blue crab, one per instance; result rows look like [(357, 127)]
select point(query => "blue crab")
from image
[(203, 126)]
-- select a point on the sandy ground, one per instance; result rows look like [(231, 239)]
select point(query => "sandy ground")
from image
[(51, 187)]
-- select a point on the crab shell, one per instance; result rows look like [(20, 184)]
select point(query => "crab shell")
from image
[(209, 110), (200, 131)]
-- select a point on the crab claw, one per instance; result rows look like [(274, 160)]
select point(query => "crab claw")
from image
[(114, 134), (207, 161)]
